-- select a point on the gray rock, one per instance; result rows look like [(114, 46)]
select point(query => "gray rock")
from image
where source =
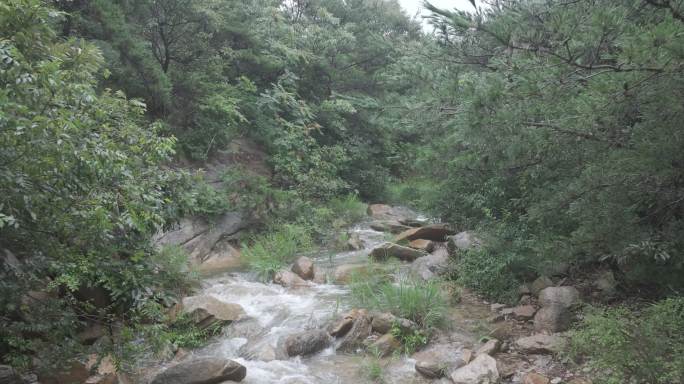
[(490, 348), (307, 343), (431, 266), (304, 268), (208, 310), (207, 370), (524, 312), (9, 376), (463, 241), (288, 279), (565, 297), (387, 250), (439, 360), (553, 318), (540, 344), (482, 370)]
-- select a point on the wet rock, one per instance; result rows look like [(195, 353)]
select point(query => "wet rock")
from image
[(535, 378), (482, 370), (435, 232), (359, 331), (355, 243), (491, 347), (307, 343), (463, 241), (431, 266), (439, 360), (9, 376), (341, 328), (422, 245), (524, 312), (288, 279), (208, 310), (565, 297), (343, 273), (320, 275), (540, 344), (390, 226), (540, 283), (207, 370), (387, 250), (304, 268), (385, 345)]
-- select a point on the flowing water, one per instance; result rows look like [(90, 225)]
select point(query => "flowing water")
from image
[(274, 312)]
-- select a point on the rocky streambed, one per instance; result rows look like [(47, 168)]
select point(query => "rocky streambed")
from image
[(301, 327)]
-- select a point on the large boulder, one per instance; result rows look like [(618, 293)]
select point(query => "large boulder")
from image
[(435, 232), (288, 279), (387, 250), (386, 212), (208, 310), (205, 241), (556, 312), (565, 297), (304, 268), (9, 376), (343, 273), (482, 370), (540, 344), (439, 360), (207, 370), (307, 343), (431, 266), (463, 241)]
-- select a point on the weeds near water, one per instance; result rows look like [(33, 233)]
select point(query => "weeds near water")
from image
[(418, 301), (272, 251), (372, 367)]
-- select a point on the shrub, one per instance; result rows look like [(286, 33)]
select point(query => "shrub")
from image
[(486, 272), (272, 250), (410, 339), (634, 346), (418, 301)]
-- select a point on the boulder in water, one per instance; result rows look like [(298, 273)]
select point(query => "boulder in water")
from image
[(206, 370), (304, 268), (360, 330), (288, 279), (307, 343), (343, 273), (208, 310), (387, 250), (435, 232)]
